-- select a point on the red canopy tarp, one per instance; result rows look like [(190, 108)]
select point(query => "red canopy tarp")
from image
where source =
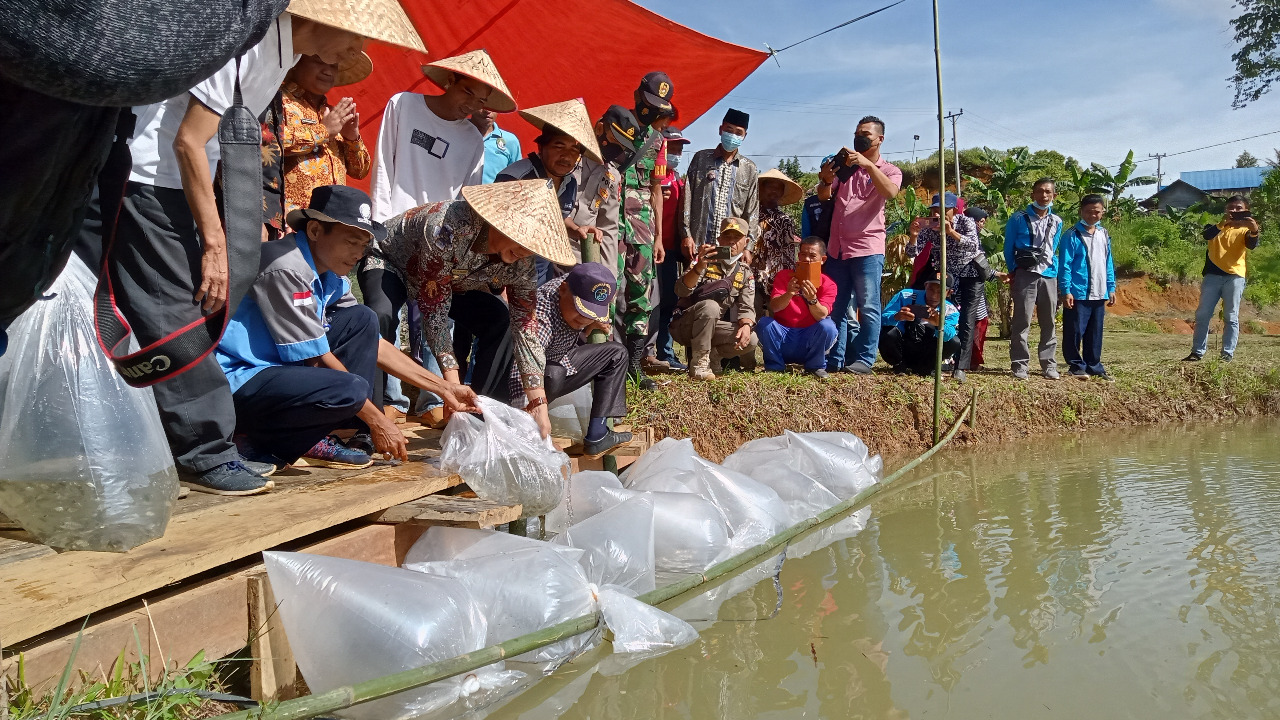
[(553, 50)]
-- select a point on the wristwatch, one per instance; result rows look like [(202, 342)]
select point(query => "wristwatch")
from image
[(808, 301)]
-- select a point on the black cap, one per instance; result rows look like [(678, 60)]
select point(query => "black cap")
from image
[(653, 97), (976, 213), (341, 204), (674, 137), (592, 287), (737, 117)]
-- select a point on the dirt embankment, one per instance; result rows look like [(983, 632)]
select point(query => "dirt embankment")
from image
[(1171, 308), (894, 414)]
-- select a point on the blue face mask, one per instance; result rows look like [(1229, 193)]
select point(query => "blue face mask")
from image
[(730, 142), (673, 162), (1038, 206)]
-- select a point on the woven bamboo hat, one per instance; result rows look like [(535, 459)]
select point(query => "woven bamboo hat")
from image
[(359, 67), (571, 118), (793, 194), (381, 20), (528, 212), (478, 65)]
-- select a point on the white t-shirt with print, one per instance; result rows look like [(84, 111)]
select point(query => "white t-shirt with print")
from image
[(422, 158), (262, 70)]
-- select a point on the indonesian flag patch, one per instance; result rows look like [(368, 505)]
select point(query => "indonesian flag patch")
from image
[(302, 299)]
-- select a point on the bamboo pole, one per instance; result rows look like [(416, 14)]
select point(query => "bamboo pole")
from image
[(942, 223), (344, 697)]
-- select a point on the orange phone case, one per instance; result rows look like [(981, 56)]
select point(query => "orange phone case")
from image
[(811, 272)]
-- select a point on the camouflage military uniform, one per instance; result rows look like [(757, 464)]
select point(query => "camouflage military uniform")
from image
[(635, 263)]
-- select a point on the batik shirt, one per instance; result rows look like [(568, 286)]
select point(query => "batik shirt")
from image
[(776, 249), (960, 253), (637, 190), (553, 334), (312, 157), (442, 249)]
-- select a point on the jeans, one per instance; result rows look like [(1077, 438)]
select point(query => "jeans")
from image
[(1228, 289), (807, 345), (1082, 326), (857, 286), (660, 319)]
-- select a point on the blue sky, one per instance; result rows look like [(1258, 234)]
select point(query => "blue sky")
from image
[(1090, 78)]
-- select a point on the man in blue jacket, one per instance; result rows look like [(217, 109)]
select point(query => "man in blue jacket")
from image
[(910, 341), (1087, 284), (1031, 254)]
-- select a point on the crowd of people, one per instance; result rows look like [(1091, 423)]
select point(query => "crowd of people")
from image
[(526, 277)]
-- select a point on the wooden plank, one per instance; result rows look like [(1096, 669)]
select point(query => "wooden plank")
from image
[(273, 673), (450, 510), (210, 615), (44, 593)]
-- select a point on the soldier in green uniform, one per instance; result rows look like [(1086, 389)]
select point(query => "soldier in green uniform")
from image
[(642, 207)]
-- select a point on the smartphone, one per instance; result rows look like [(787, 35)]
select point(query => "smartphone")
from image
[(811, 272), (1241, 215), (723, 252)]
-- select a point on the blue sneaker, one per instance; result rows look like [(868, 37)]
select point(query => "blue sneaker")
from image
[(331, 453), (229, 478), (261, 463)]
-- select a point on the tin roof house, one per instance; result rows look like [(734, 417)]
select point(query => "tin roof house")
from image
[(1198, 185)]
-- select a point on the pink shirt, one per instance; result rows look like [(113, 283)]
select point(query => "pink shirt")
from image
[(797, 315), (857, 219)]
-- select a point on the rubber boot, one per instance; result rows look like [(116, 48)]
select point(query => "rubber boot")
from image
[(636, 350)]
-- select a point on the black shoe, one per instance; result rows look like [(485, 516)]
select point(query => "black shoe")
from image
[(1225, 357), (361, 442), (610, 440), (1193, 357), (858, 368), (229, 478), (1079, 372), (635, 369), (820, 373)]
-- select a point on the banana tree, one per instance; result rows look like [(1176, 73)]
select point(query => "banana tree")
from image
[(1009, 171), (1114, 184)]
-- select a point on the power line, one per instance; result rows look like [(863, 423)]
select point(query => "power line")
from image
[(774, 53)]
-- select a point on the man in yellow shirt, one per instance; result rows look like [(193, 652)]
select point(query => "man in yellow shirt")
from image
[(1224, 273)]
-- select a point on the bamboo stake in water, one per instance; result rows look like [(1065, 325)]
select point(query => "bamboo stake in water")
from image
[(345, 697), (942, 223)]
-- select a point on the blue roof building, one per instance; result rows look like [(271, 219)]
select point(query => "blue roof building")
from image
[(1198, 185)]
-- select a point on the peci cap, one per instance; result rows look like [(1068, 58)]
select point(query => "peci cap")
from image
[(341, 204), (737, 117), (593, 288), (734, 225)]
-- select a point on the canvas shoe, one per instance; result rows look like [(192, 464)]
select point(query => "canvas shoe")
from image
[(1051, 373), (229, 478), (1021, 374), (820, 373), (858, 368), (1193, 357), (332, 454), (610, 440)]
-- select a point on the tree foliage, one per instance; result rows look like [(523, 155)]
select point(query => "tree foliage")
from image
[(1256, 28), (1247, 160)]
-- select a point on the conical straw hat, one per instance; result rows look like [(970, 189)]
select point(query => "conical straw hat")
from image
[(359, 67), (569, 116), (381, 20), (793, 194), (478, 65), (528, 212)]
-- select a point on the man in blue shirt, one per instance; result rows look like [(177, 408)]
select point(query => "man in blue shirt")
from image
[(501, 148), (1031, 254), (910, 343), (1087, 284), (300, 352)]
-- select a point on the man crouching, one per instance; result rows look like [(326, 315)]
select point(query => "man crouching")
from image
[(568, 307), (718, 286), (300, 353)]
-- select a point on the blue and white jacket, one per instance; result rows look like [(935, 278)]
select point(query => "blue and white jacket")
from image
[(1085, 268)]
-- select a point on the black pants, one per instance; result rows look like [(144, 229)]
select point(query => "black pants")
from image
[(485, 317), (155, 263), (286, 410), (916, 349), (970, 292), (605, 367)]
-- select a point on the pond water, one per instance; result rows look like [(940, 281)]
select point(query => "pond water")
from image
[(1118, 575)]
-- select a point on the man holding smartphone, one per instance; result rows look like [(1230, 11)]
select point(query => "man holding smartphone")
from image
[(861, 182), (1224, 273), (715, 317)]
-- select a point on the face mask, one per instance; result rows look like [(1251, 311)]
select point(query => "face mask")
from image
[(1093, 224), (1038, 206), (730, 142), (673, 162), (861, 143)]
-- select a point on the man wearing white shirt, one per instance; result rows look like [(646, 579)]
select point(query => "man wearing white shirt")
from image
[(169, 258)]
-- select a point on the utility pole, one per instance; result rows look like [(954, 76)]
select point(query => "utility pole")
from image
[(1159, 169), (942, 248), (913, 148), (955, 146)]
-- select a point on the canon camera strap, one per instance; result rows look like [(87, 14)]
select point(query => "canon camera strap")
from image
[(240, 140)]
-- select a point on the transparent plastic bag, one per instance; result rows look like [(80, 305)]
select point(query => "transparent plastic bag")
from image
[(504, 458), (581, 501), (667, 456), (84, 463), (753, 511), (440, 543), (641, 628), (803, 496), (570, 415), (349, 621), (617, 545), (838, 461), (689, 532)]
